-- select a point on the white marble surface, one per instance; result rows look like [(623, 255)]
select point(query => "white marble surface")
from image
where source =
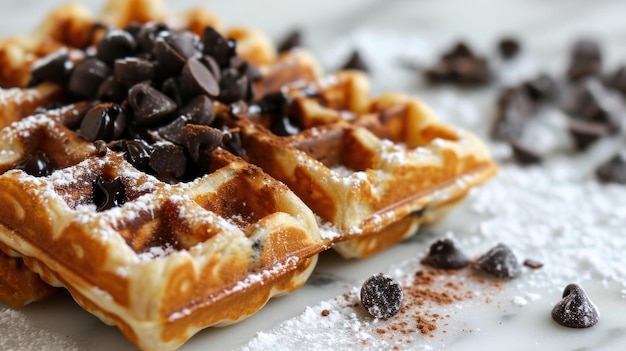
[(386, 31)]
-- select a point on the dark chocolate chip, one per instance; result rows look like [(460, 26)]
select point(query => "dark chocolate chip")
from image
[(459, 50), (133, 28), (381, 295), (108, 193), (355, 61), (171, 88), (87, 77), (112, 91), (500, 262), (36, 164), (613, 170), (587, 101), (55, 67), (523, 154), (445, 254), (132, 70), (105, 121), (200, 137), (215, 45), (292, 40), (172, 50), (440, 72), (213, 66), (171, 130), (514, 106), (586, 59), (575, 309), (147, 35), (586, 133), (618, 80), (149, 105), (137, 152), (541, 88), (197, 79), (233, 86), (470, 71), (200, 110), (529, 262), (232, 141), (509, 47), (168, 160), (115, 44)]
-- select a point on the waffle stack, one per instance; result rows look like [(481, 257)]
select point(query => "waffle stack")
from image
[(197, 214)]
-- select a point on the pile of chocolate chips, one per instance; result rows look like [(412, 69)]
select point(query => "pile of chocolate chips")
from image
[(153, 90), (461, 66), (581, 94)]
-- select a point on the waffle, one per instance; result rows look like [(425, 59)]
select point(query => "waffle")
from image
[(163, 255)]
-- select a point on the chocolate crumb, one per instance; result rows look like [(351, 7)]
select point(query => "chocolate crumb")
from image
[(529, 262), (325, 313)]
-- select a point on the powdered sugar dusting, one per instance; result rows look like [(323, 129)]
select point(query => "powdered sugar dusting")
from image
[(18, 333)]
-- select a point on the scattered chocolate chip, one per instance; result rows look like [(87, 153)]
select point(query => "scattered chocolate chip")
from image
[(101, 148), (172, 50), (197, 79), (523, 154), (137, 152), (171, 130), (529, 262), (292, 40), (575, 309), (355, 61), (220, 48), (198, 138), (613, 170), (500, 262), (199, 110), (381, 295), (115, 44), (459, 66), (586, 59), (108, 193), (541, 88), (105, 121), (233, 86), (36, 164), (445, 254), (111, 91), (149, 105), (132, 70), (87, 77), (459, 50), (168, 160), (55, 67), (514, 106), (509, 47), (586, 133)]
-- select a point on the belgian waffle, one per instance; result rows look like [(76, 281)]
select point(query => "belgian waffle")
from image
[(299, 164)]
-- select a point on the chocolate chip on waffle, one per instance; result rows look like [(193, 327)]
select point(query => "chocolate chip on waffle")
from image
[(186, 175)]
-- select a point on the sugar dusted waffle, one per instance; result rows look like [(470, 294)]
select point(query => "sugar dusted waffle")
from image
[(185, 178)]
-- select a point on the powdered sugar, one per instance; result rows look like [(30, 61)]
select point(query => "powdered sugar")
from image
[(18, 333)]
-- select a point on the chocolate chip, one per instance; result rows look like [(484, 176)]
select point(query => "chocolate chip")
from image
[(132, 70), (500, 262), (514, 106), (111, 91), (213, 66), (200, 110), (233, 86), (137, 152), (171, 130), (541, 88), (459, 66), (147, 35), (108, 193), (292, 40), (587, 101), (355, 61), (533, 263), (197, 79), (575, 309), (613, 170), (101, 148), (36, 164), (459, 50), (586, 133), (115, 44), (55, 67), (149, 105), (215, 45), (523, 154), (200, 137), (445, 254), (172, 50), (586, 59), (168, 160), (232, 141), (381, 295), (105, 121), (87, 77), (171, 88), (509, 47), (618, 80)]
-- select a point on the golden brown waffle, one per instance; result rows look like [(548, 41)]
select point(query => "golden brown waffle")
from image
[(359, 174)]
